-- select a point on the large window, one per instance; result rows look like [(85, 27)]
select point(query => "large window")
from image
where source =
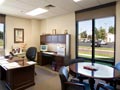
[(2, 39), (2, 35), (96, 39)]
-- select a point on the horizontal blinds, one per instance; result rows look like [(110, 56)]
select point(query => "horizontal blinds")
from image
[(2, 18), (95, 13)]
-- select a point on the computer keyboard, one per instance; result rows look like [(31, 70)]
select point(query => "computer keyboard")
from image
[(49, 53)]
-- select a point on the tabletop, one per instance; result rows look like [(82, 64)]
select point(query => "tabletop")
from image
[(97, 71)]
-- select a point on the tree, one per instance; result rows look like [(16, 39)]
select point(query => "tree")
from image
[(83, 34), (102, 33), (111, 29)]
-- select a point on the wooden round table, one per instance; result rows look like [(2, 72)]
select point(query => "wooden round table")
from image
[(96, 71)]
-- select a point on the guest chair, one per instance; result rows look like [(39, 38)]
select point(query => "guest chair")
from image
[(103, 86), (115, 82), (73, 61), (67, 84), (31, 53)]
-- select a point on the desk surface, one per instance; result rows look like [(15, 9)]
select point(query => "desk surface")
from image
[(101, 71)]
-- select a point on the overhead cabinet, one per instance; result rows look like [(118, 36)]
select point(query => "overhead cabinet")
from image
[(59, 38)]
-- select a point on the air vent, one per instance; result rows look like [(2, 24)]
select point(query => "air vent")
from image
[(49, 6)]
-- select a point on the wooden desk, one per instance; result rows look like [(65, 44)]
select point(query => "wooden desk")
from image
[(18, 78), (102, 72), (46, 58)]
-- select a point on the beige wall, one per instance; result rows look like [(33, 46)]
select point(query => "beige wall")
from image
[(33, 29), (117, 32), (61, 23), (31, 32)]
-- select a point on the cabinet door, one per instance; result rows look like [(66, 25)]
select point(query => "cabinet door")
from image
[(59, 62), (42, 39), (48, 38), (61, 38), (54, 38)]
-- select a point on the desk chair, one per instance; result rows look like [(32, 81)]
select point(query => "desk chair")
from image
[(67, 84), (103, 86), (31, 53)]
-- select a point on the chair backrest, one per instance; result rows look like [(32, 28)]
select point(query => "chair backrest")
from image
[(64, 75), (31, 53), (117, 66)]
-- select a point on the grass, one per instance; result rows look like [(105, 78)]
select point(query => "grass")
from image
[(97, 48), (1, 42)]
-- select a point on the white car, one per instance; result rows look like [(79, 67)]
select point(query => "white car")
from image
[(103, 42)]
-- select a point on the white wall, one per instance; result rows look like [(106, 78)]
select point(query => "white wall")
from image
[(31, 32), (61, 23)]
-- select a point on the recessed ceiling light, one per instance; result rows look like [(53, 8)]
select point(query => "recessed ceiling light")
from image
[(1, 1), (37, 12), (77, 0)]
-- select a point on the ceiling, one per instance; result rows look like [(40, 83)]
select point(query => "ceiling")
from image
[(20, 7)]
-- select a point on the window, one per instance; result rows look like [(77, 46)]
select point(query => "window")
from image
[(96, 39), (2, 35)]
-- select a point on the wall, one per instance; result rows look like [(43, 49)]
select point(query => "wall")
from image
[(60, 23), (31, 32), (117, 57)]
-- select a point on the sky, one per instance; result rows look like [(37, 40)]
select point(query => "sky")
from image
[(102, 22), (1, 27)]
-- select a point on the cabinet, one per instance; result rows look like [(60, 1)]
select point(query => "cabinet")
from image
[(43, 59), (58, 38)]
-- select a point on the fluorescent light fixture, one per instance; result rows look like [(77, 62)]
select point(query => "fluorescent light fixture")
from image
[(1, 1), (37, 11), (77, 0)]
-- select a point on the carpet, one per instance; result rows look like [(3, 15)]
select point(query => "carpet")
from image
[(43, 74)]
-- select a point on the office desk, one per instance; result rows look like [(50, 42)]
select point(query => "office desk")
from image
[(98, 71), (18, 78), (44, 58)]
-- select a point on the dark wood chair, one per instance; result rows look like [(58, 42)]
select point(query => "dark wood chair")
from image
[(103, 86), (67, 84)]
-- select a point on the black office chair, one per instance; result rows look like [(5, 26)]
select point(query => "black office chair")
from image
[(103, 86), (31, 53), (70, 84), (73, 61)]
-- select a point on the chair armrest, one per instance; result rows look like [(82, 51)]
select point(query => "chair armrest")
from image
[(104, 86), (76, 84)]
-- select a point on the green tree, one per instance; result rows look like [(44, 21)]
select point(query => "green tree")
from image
[(111, 29), (83, 34), (102, 33)]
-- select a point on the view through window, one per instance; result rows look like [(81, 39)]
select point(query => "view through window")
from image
[(1, 39), (104, 33)]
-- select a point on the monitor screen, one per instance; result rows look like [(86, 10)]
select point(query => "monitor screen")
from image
[(43, 47)]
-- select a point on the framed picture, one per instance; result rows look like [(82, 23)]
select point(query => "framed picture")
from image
[(18, 35)]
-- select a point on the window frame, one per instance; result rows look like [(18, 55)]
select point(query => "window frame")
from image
[(93, 41)]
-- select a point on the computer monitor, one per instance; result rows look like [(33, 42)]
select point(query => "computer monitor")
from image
[(43, 47)]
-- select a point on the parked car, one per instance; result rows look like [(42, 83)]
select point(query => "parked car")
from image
[(97, 44), (103, 42)]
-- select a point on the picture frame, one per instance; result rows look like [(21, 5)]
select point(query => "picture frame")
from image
[(18, 35)]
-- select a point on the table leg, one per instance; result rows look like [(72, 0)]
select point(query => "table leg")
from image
[(91, 82)]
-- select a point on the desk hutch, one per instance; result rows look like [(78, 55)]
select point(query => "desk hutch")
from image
[(59, 60)]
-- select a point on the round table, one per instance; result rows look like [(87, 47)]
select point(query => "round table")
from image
[(96, 71)]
